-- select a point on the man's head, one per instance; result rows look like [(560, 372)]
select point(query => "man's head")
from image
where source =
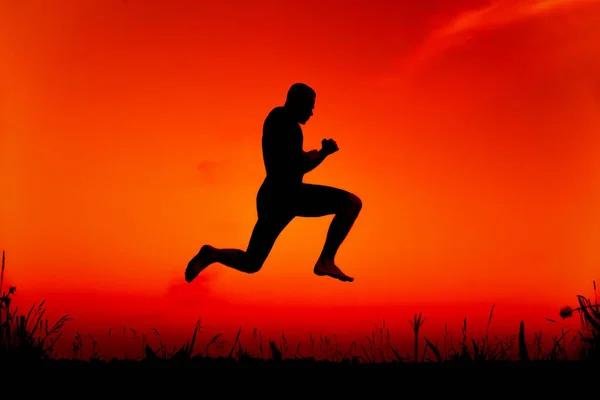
[(301, 101)]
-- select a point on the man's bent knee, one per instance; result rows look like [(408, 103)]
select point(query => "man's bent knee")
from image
[(355, 203), (253, 264)]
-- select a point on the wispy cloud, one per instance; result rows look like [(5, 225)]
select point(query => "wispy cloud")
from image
[(494, 15), (208, 171), (183, 295)]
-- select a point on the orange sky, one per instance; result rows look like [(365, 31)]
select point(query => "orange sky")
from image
[(130, 135)]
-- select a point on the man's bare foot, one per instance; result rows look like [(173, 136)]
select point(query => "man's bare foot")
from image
[(203, 259), (328, 268)]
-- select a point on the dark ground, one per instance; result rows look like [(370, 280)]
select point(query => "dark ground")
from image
[(303, 378), (218, 363)]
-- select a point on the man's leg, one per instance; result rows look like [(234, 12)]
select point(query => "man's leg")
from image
[(317, 201), (263, 237)]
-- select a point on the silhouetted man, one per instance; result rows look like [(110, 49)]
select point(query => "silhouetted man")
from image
[(283, 195)]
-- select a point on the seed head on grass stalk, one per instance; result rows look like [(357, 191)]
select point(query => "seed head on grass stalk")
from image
[(416, 324), (2, 273), (523, 353), (589, 314)]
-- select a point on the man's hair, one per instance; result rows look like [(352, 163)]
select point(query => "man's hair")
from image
[(299, 92)]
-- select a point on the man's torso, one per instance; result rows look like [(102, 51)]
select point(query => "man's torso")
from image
[(282, 143)]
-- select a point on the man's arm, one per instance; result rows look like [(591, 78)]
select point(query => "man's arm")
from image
[(312, 159)]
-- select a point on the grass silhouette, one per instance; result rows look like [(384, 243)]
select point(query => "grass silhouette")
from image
[(31, 338)]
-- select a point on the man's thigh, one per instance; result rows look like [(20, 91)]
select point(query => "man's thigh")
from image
[(319, 200)]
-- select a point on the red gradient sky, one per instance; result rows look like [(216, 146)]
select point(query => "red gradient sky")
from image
[(130, 135)]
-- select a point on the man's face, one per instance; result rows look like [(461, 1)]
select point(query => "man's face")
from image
[(305, 109)]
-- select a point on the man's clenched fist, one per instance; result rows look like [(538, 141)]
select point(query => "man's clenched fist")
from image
[(329, 146)]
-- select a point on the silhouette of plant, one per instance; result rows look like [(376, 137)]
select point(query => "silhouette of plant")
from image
[(29, 337), (416, 324), (589, 315)]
